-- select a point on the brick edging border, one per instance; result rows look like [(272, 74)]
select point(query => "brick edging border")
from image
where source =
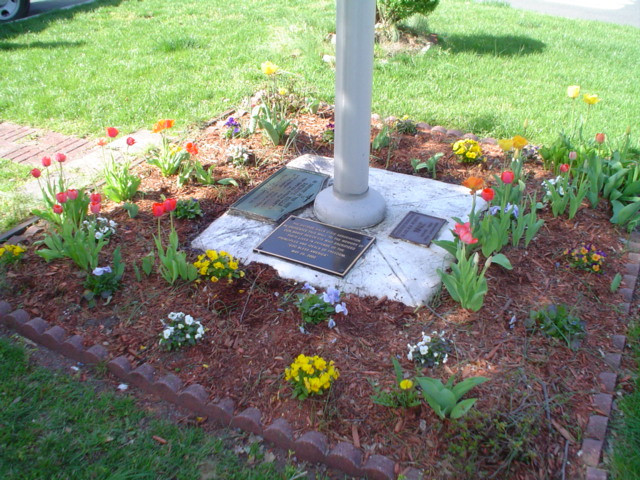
[(595, 434), (311, 446)]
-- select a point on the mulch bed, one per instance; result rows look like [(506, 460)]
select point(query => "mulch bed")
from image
[(537, 398)]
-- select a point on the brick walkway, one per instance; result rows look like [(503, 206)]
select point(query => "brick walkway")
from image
[(28, 145)]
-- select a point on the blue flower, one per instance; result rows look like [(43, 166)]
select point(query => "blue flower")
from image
[(231, 122), (308, 288), (332, 323), (101, 270), (513, 209), (341, 308), (332, 296), (493, 210)]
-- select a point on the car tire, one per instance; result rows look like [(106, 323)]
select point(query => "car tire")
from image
[(13, 9)]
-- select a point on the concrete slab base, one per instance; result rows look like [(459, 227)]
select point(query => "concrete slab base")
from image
[(393, 268)]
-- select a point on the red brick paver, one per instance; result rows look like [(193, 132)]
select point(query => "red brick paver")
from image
[(28, 145)]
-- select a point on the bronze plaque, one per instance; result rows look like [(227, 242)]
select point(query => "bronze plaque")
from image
[(282, 193), (418, 228), (317, 245)]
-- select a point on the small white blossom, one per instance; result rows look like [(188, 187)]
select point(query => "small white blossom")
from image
[(188, 320)]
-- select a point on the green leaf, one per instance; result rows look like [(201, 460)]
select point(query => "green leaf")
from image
[(622, 215), (464, 386), (502, 260), (228, 181), (462, 408), (615, 283)]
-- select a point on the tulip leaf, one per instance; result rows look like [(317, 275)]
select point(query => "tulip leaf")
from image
[(461, 408)]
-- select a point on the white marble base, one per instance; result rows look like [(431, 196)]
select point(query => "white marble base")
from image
[(394, 268)]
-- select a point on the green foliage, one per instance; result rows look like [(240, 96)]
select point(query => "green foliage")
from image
[(445, 399), (193, 170), (382, 139), (430, 164), (274, 124), (465, 284), (103, 282), (401, 395), (173, 263), (188, 209), (406, 126), (615, 283), (81, 246), (120, 183), (557, 321), (132, 209), (392, 12), (169, 158)]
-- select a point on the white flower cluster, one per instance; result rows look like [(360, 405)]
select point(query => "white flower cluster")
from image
[(180, 330), (104, 227), (431, 350), (238, 155), (553, 183)]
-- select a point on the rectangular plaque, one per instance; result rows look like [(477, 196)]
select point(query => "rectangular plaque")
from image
[(418, 228), (281, 194), (317, 245)]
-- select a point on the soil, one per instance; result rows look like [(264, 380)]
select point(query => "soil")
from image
[(536, 402)]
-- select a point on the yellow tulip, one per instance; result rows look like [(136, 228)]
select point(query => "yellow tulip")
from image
[(573, 91), (505, 144), (269, 68), (590, 99), (519, 142)]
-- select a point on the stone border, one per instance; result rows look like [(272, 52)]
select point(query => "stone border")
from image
[(595, 434), (311, 446)]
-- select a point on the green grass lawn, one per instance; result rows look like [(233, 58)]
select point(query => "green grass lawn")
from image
[(625, 458), (128, 63), (54, 427), (15, 207)]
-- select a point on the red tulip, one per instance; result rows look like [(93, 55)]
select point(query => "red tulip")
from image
[(60, 157), (573, 156), (564, 167), (170, 205), (61, 197), (600, 138), (507, 176), (192, 148), (46, 161), (72, 193), (36, 173), (112, 132), (94, 207), (131, 141), (57, 209), (463, 230), (487, 194), (157, 209), (95, 198)]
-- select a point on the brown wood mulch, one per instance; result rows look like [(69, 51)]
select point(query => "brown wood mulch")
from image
[(537, 398)]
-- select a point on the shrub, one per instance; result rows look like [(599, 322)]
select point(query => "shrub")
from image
[(392, 12)]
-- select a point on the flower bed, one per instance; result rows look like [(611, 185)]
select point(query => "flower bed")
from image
[(252, 322)]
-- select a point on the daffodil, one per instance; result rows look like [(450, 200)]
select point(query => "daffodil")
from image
[(519, 142)]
